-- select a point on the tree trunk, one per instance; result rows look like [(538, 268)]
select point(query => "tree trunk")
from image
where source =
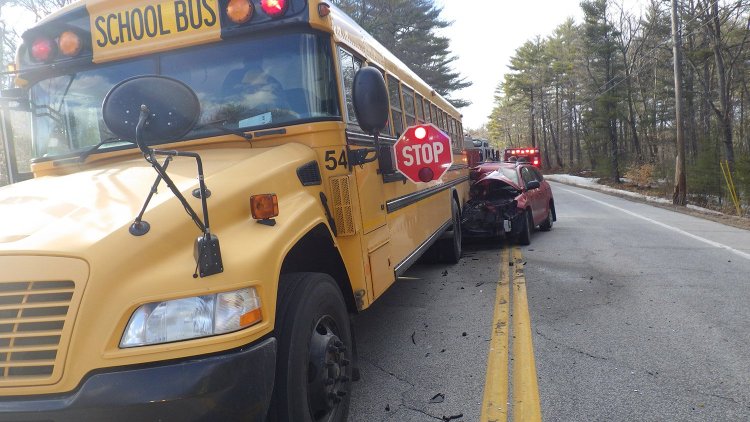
[(532, 122), (725, 113), (679, 196)]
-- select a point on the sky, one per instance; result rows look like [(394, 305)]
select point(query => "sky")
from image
[(485, 35)]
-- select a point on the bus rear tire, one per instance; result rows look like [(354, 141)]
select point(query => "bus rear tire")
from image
[(314, 359)]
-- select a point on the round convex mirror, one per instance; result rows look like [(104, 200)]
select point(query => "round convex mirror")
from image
[(370, 98), (173, 109)]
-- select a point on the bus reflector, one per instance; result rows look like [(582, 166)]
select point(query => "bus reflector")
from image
[(42, 49), (70, 43), (264, 206), (274, 8), (239, 11)]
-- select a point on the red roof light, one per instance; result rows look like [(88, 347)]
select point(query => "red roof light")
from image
[(274, 8), (42, 49)]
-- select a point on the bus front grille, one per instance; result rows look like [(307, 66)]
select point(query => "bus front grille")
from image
[(32, 317), (342, 205)]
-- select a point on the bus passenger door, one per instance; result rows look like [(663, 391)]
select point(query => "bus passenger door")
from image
[(371, 197), (375, 233)]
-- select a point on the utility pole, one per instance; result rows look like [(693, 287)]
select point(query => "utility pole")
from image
[(679, 196)]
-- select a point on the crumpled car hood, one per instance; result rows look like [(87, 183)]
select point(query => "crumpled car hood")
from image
[(498, 177)]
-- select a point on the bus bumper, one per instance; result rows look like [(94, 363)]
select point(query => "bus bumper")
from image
[(232, 386)]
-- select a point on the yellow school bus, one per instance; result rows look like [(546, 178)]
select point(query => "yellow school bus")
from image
[(119, 298)]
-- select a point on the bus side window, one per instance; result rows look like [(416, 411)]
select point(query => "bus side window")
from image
[(395, 99), (349, 66), (434, 119), (420, 109), (409, 109), (452, 131)]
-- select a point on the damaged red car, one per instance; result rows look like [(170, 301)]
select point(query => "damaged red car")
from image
[(508, 199)]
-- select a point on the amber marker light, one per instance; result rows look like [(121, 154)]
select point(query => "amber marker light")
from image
[(239, 11), (274, 8), (324, 10), (69, 43), (251, 318), (264, 206)]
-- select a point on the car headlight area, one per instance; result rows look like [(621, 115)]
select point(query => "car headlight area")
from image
[(192, 317)]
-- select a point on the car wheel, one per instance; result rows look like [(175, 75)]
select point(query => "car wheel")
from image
[(452, 249), (524, 238), (313, 367), (547, 224)]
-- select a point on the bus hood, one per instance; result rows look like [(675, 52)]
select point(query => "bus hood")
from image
[(71, 213)]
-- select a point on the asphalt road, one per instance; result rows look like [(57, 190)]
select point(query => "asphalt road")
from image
[(637, 313), (423, 345)]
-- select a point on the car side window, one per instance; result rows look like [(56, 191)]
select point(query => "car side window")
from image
[(537, 174), (526, 175)]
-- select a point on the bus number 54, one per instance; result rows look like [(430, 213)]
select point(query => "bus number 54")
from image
[(332, 162)]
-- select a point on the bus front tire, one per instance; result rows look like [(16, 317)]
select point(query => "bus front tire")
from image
[(314, 360)]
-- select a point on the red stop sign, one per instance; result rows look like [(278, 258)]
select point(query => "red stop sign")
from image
[(423, 153)]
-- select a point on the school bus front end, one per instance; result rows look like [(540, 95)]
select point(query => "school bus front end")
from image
[(206, 272), (104, 313)]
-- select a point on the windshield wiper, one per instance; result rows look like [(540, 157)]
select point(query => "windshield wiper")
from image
[(219, 124), (72, 157), (85, 154)]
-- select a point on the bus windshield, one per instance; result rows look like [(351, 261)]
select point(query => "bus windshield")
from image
[(247, 85)]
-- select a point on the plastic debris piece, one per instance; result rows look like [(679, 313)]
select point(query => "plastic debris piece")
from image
[(438, 398)]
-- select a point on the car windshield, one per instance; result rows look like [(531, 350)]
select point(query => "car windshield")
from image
[(510, 173), (248, 85)]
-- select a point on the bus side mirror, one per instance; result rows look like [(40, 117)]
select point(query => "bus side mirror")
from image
[(16, 99), (370, 98)]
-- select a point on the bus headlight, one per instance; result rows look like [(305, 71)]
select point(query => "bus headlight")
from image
[(192, 317)]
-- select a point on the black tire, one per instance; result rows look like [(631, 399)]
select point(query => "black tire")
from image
[(524, 238), (547, 224), (314, 360), (451, 249)]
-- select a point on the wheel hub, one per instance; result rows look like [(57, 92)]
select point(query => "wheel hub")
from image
[(327, 368)]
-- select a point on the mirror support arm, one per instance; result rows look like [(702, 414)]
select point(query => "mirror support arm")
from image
[(150, 155)]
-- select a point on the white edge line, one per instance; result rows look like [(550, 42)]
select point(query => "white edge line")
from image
[(666, 226)]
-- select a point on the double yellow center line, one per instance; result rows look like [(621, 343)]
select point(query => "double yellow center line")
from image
[(525, 390)]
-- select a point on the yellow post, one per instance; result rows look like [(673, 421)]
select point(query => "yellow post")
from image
[(730, 185)]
